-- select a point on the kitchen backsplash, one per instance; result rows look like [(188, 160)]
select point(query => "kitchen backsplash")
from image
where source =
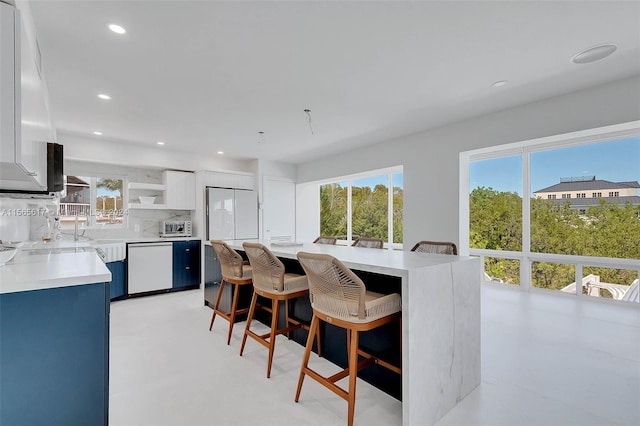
[(137, 223)]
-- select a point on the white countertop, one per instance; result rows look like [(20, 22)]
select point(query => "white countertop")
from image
[(43, 271), (388, 262), (158, 239)]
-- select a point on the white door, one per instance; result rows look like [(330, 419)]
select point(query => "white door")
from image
[(246, 208), (279, 209), (220, 214)]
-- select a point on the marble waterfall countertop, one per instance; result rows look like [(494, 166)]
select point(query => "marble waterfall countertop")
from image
[(28, 272), (440, 321), (388, 262)]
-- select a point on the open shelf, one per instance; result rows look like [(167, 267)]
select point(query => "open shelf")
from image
[(140, 206), (147, 186)]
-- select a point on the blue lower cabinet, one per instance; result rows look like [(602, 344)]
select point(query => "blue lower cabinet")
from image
[(186, 264), (54, 356), (116, 288)]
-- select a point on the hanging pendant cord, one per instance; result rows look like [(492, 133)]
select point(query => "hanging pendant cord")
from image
[(308, 111)]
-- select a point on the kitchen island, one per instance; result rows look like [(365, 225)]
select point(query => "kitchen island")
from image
[(54, 339), (440, 319)]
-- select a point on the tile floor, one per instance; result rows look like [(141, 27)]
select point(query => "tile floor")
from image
[(546, 360)]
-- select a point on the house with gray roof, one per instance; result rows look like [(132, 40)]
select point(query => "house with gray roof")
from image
[(586, 191)]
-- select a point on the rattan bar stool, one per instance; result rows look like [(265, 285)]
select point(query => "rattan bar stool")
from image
[(271, 281), (234, 272), (340, 298), (368, 242), (439, 247), (326, 240)]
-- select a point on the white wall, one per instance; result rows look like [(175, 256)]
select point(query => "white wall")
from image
[(430, 158)]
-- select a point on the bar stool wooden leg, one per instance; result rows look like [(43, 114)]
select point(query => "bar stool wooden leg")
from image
[(353, 375), (252, 309), (275, 306), (315, 322), (317, 333), (232, 314), (215, 308), (286, 314)]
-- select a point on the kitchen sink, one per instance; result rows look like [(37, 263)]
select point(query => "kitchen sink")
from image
[(110, 250)]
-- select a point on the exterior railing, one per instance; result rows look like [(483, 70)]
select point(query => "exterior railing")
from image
[(526, 260), (73, 209)]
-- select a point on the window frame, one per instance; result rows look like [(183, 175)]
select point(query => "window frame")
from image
[(92, 224), (389, 171), (525, 149)]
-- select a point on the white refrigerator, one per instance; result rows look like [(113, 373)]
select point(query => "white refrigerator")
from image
[(232, 214)]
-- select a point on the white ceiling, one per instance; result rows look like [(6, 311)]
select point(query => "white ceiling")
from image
[(207, 76)]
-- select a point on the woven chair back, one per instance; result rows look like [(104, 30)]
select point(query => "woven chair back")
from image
[(439, 247), (230, 261), (326, 240), (369, 242), (333, 288), (268, 270)]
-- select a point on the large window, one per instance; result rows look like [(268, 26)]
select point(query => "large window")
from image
[(93, 201), (363, 206), (579, 222)]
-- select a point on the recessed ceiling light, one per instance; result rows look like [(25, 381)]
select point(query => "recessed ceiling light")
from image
[(97, 133), (499, 83), (220, 152), (117, 29), (593, 54), (160, 143), (103, 96)]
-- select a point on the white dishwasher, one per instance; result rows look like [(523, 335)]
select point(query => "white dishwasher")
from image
[(150, 267)]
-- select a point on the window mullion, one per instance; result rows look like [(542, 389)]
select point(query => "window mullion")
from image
[(91, 220), (525, 264), (349, 223), (390, 210)]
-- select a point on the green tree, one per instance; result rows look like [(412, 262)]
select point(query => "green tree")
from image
[(110, 184), (495, 219), (333, 210), (604, 230)]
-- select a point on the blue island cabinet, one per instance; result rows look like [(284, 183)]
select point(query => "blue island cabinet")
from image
[(186, 264), (118, 274), (54, 356)]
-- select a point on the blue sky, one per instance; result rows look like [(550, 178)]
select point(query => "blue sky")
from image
[(398, 180), (616, 161)]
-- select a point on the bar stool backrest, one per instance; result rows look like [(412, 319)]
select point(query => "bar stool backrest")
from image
[(333, 288), (230, 261), (368, 242), (268, 270), (439, 247), (326, 240)]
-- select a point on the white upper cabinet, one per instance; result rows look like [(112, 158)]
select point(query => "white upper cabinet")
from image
[(25, 119), (180, 190)]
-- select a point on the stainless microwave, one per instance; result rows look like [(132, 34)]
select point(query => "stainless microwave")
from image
[(175, 228)]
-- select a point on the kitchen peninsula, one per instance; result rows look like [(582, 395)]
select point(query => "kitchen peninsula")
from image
[(54, 339), (440, 319)]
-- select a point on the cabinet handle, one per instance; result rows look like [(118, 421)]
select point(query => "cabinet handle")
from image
[(187, 267), (187, 249)]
